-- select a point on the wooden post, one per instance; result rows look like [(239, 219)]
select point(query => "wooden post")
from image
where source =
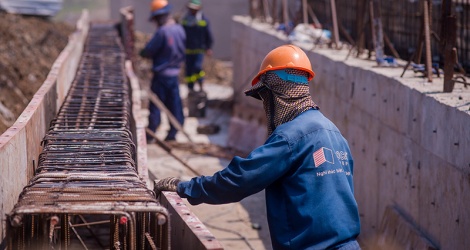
[(448, 40), (427, 40), (304, 11), (267, 16), (285, 14), (450, 56), (274, 13), (360, 21), (390, 46), (314, 17), (335, 23), (252, 9)]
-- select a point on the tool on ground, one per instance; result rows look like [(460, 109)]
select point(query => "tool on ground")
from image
[(167, 148), (208, 129), (155, 100)]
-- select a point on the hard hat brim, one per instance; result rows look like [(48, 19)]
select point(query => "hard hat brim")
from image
[(162, 11), (256, 78), (194, 6)]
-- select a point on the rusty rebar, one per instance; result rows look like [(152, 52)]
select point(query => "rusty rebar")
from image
[(87, 168)]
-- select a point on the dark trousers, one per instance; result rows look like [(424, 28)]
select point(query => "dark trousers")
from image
[(167, 89), (194, 72)]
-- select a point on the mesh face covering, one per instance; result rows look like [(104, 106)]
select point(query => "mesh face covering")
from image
[(284, 100)]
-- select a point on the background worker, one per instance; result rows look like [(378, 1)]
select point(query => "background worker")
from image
[(166, 49), (305, 165), (199, 42)]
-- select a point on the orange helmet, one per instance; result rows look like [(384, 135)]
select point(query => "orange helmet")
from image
[(159, 7), (283, 57), (158, 4)]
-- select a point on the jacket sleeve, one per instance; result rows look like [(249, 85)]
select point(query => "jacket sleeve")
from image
[(209, 38), (153, 46), (242, 177)]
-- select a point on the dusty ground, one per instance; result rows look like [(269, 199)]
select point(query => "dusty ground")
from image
[(28, 48)]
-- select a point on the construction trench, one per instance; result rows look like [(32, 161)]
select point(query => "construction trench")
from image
[(87, 191), (409, 141)]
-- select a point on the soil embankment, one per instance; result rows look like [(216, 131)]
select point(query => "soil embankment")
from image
[(28, 48)]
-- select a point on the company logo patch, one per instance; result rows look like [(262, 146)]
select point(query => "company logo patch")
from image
[(323, 155)]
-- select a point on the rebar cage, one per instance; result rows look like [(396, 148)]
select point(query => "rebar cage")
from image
[(86, 192)]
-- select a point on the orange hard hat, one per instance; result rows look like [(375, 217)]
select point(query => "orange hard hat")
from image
[(158, 4), (159, 7), (285, 57)]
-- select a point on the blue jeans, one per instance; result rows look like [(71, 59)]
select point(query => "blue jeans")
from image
[(167, 89)]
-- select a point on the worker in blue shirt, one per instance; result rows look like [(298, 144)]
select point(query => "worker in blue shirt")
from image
[(305, 165), (166, 49), (199, 42)]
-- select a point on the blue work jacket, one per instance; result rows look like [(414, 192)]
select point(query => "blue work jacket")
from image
[(306, 168), (166, 49), (198, 33)]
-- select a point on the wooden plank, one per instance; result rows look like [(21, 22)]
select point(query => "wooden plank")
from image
[(155, 100)]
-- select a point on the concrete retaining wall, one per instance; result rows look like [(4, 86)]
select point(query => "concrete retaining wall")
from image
[(410, 141), (20, 144)]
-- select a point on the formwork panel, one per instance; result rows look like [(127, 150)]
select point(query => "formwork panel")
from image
[(187, 232)]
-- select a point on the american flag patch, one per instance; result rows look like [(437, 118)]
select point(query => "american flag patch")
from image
[(323, 155)]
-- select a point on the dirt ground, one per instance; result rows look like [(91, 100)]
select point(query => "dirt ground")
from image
[(28, 48)]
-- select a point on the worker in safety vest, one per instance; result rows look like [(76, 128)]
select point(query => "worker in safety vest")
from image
[(199, 42), (305, 165), (166, 49)]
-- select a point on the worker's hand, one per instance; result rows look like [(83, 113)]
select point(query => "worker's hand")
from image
[(166, 184)]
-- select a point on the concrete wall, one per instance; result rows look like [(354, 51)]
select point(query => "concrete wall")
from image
[(410, 141), (218, 12), (20, 144)]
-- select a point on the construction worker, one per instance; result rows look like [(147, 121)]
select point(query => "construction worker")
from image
[(305, 165), (166, 49), (199, 42)]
